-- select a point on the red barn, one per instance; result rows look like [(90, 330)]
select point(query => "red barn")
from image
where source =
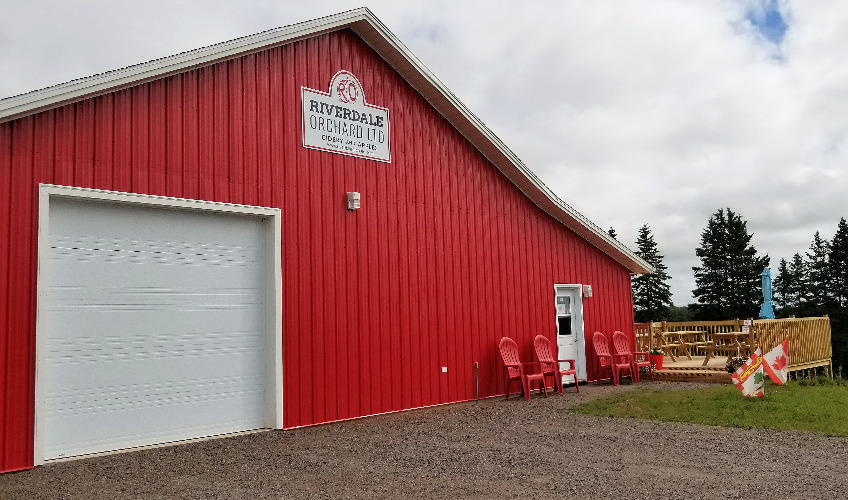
[(291, 228)]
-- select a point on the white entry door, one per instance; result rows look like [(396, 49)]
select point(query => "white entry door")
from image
[(571, 342), (154, 329)]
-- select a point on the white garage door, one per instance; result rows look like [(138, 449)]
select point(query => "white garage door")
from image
[(155, 327)]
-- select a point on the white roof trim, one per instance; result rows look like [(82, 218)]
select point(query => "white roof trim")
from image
[(392, 50)]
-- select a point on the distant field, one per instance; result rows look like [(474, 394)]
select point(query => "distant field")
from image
[(818, 408)]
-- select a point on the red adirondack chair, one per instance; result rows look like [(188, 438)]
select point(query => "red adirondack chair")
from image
[(551, 365), (514, 369), (638, 359), (614, 363)]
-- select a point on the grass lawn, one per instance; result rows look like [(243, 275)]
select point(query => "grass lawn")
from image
[(817, 408)]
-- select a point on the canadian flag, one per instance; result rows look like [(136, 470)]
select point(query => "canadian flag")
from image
[(776, 363), (749, 377)]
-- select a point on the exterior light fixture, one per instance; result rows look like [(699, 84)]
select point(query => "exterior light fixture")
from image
[(353, 201)]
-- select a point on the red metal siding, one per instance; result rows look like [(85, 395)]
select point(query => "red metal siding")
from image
[(11, 456), (445, 257)]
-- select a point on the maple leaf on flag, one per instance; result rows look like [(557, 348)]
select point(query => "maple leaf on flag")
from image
[(776, 363)]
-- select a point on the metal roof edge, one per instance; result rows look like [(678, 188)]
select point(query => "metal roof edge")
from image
[(383, 41), (627, 257), (56, 95)]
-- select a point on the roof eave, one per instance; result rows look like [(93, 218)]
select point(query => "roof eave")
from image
[(54, 96), (466, 122), (368, 27)]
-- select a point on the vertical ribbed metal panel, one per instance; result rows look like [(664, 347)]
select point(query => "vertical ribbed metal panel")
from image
[(444, 257), (11, 450), (18, 338)]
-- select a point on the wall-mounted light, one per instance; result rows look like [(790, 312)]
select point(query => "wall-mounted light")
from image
[(587, 291), (353, 199)]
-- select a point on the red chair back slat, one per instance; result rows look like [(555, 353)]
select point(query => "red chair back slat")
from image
[(620, 344), (509, 356), (602, 349), (543, 349)]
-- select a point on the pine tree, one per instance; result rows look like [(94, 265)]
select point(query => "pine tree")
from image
[(651, 292), (817, 284), (791, 284), (728, 282), (798, 291), (818, 290), (780, 285), (838, 266), (838, 310), (711, 277)]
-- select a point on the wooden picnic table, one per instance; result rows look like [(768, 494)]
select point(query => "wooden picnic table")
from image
[(726, 341), (675, 342), (665, 341), (687, 340)]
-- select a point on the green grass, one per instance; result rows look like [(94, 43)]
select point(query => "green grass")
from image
[(808, 407)]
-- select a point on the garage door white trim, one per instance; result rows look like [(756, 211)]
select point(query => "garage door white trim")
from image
[(271, 224)]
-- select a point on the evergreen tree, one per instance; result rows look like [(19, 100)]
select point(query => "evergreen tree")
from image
[(728, 282), (838, 266), (712, 276), (651, 292), (798, 289), (780, 285), (817, 284), (679, 313), (790, 285), (838, 311), (818, 290)]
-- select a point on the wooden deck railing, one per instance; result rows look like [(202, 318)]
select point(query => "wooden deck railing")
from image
[(809, 338), (644, 337)]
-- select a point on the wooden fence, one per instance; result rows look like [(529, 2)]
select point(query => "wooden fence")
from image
[(809, 338)]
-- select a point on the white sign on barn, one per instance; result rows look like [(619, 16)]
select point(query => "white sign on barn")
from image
[(342, 122)]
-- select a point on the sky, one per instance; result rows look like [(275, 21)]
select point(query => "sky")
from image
[(655, 112)]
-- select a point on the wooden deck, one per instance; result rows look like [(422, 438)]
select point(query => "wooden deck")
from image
[(691, 370), (809, 344)]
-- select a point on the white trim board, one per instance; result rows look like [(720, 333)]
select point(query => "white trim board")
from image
[(575, 291)]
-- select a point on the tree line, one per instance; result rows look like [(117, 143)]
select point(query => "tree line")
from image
[(728, 283)]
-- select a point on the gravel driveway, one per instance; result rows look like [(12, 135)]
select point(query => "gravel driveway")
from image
[(491, 449)]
